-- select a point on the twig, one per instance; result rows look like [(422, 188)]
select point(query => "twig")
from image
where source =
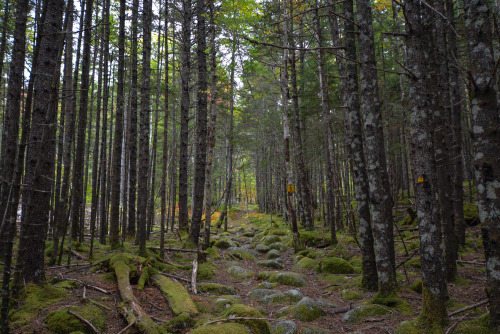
[(153, 304), (408, 258), (482, 302), (253, 41), (474, 263), (85, 321), (128, 326), (452, 327), (84, 292), (193, 276)]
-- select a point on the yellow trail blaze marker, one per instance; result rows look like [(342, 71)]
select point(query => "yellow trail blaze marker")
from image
[(420, 179), (290, 188)]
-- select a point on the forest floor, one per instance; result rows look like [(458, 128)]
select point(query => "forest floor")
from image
[(253, 264)]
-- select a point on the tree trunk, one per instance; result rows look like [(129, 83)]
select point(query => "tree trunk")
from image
[(380, 199), (201, 126), (486, 143)]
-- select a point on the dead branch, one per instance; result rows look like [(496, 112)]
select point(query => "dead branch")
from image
[(85, 321), (78, 255), (193, 276), (176, 277), (481, 303), (408, 258), (125, 329)]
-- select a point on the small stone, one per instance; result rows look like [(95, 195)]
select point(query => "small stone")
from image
[(273, 264), (290, 279), (261, 293), (307, 310), (285, 327), (273, 254), (240, 272)]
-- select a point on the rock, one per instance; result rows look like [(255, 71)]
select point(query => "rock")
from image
[(216, 289), (265, 285), (271, 239), (307, 310), (350, 295), (290, 296), (261, 293), (241, 253), (262, 248), (285, 327), (248, 234), (335, 265), (273, 254), (325, 303), (278, 246), (284, 311), (314, 330), (206, 271), (223, 302), (240, 310), (180, 323), (362, 312), (225, 243), (306, 264), (222, 328), (290, 279), (297, 258), (240, 272), (273, 264)]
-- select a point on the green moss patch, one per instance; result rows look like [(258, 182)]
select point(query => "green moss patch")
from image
[(221, 328), (362, 312), (180, 323), (306, 264), (335, 265), (350, 295), (62, 322), (417, 286), (176, 295), (476, 326), (307, 310), (206, 271), (240, 310), (35, 299), (212, 253), (216, 289), (288, 278)]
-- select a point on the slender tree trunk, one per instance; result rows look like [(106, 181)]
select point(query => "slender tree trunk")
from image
[(185, 78), (144, 134), (201, 126), (103, 228), (378, 180), (486, 144), (434, 286), (3, 39), (114, 218)]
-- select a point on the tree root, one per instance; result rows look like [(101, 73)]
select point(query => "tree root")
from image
[(176, 295)]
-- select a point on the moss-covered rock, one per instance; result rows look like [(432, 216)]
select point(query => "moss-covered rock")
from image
[(362, 312), (284, 311), (225, 243), (241, 254), (206, 271), (61, 322), (240, 272), (273, 264), (314, 330), (285, 327), (391, 300), (471, 214), (306, 264), (223, 302), (417, 286), (35, 299), (240, 310), (278, 246), (216, 289), (266, 285), (350, 295), (212, 253), (476, 326), (335, 265), (261, 293), (290, 296), (180, 323), (307, 310), (176, 295), (262, 248), (271, 239), (222, 328), (273, 254), (288, 278)]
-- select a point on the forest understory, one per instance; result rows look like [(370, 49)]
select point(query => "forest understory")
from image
[(250, 279)]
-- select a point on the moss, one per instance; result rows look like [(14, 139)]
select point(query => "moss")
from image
[(224, 243), (471, 213), (212, 253), (414, 245), (240, 310), (434, 315), (61, 322), (204, 307), (417, 286), (242, 254), (407, 220), (460, 281), (109, 277), (147, 272), (180, 323), (178, 298), (356, 261), (415, 263), (240, 272), (315, 238), (36, 299), (223, 302), (216, 289), (221, 328), (306, 264), (339, 252), (265, 275), (413, 327), (68, 285), (289, 279), (363, 312), (335, 265), (392, 301), (279, 232), (307, 310), (206, 271), (350, 295), (476, 326)]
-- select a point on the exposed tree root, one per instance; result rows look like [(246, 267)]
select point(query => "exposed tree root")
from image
[(130, 307), (176, 295)]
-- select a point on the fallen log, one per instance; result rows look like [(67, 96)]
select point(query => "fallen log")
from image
[(470, 307), (130, 307), (176, 295)]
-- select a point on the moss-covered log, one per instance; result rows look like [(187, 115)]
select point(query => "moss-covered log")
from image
[(176, 295), (130, 307)]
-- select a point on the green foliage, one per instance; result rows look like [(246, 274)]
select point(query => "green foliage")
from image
[(240, 310), (61, 322), (348, 295), (335, 265), (206, 270)]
